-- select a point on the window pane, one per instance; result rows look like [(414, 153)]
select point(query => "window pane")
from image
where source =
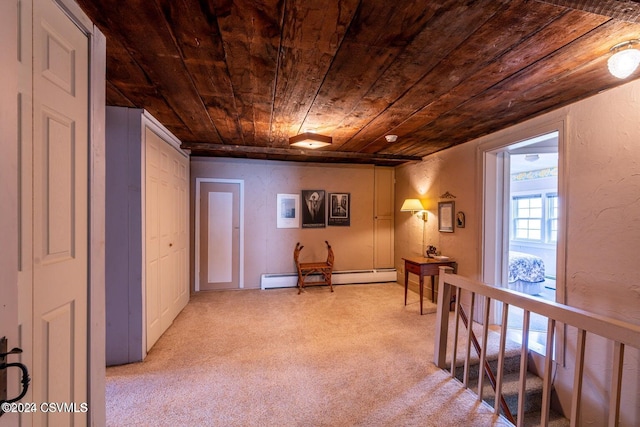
[(552, 218), (528, 214), (553, 231)]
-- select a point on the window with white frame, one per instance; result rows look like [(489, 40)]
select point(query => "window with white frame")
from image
[(535, 217), (527, 217)]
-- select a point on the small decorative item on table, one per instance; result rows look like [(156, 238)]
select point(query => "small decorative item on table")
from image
[(431, 251)]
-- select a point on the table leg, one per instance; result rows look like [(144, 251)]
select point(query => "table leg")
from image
[(433, 289), (421, 291), (406, 284)]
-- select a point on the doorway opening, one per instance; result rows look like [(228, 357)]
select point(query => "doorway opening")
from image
[(522, 227), (533, 230)]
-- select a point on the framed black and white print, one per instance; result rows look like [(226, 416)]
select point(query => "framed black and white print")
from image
[(313, 209), (288, 211), (445, 216), (340, 209)]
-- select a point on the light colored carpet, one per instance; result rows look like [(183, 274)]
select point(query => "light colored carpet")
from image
[(355, 357)]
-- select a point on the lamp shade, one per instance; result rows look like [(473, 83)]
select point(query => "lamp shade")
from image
[(625, 61), (310, 140), (411, 205)]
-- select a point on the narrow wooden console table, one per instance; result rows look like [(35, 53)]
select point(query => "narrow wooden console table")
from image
[(422, 266)]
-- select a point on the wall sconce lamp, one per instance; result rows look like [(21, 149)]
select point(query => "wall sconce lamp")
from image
[(625, 60), (310, 140), (415, 207)]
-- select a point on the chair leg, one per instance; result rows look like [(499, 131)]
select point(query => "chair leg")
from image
[(327, 278)]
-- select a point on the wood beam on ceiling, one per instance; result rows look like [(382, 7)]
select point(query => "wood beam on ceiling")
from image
[(625, 10), (218, 150)]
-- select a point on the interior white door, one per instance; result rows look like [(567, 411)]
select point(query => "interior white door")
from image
[(219, 228), (383, 218), (60, 213), (166, 235)]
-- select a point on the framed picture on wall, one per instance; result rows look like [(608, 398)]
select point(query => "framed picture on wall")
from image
[(339, 209), (313, 209), (288, 211), (445, 216), (460, 221)]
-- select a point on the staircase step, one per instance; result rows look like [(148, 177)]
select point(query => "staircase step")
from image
[(532, 419), (533, 399), (533, 393), (511, 365), (511, 378)]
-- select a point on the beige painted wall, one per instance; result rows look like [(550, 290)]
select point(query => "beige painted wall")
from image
[(450, 171), (269, 249), (602, 173)]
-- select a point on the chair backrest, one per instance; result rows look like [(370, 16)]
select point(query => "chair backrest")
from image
[(329, 254)]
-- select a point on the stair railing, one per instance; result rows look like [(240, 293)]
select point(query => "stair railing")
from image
[(620, 333), (487, 367)]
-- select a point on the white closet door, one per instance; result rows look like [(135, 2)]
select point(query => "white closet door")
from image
[(166, 231), (383, 218)]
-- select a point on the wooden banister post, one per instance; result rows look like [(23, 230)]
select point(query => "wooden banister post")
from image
[(442, 318)]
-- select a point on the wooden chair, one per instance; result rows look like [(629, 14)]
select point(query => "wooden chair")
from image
[(306, 268)]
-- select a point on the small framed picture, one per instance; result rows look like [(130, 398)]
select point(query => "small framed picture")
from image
[(339, 209), (460, 219), (445, 216), (288, 211)]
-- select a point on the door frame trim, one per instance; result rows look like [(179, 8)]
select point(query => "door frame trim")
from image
[(196, 252)]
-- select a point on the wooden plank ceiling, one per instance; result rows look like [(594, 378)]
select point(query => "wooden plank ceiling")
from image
[(237, 78)]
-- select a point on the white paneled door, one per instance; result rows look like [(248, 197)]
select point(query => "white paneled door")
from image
[(383, 237), (219, 231), (54, 210), (166, 235)]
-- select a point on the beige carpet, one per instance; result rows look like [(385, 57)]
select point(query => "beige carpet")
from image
[(355, 357)]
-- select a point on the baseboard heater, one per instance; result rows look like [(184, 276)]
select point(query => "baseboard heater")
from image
[(290, 280)]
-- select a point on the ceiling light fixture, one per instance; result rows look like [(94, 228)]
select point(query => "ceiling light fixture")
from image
[(625, 60), (310, 140), (391, 138), (531, 157)]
